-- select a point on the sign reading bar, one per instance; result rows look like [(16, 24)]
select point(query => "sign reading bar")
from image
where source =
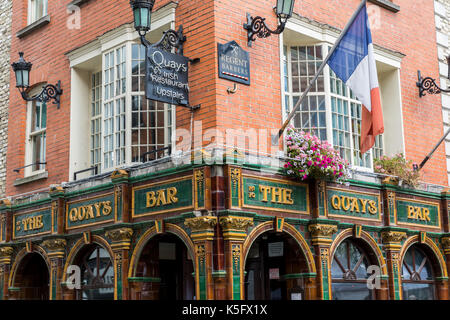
[(274, 194), (358, 205), (93, 211), (167, 77), (421, 213), (234, 63), (160, 197), (32, 223)]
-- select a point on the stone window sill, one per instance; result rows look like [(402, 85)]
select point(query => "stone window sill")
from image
[(32, 178), (33, 26), (387, 5), (77, 3)]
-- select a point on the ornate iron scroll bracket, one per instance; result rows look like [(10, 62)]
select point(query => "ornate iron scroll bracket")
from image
[(170, 39), (49, 92), (428, 84), (258, 27)]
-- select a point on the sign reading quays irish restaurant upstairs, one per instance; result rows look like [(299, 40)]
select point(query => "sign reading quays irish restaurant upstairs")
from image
[(167, 77), (234, 63)]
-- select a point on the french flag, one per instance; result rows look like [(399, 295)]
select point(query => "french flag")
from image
[(354, 63)]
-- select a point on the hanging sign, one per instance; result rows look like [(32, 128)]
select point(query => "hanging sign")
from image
[(167, 77), (234, 63)]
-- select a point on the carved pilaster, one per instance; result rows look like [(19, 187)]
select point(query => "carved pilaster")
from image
[(5, 255), (445, 242), (392, 244), (202, 228), (121, 238), (392, 239), (55, 247), (321, 233), (235, 228)]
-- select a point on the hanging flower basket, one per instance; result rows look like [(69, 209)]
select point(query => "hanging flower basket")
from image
[(399, 167), (312, 158)]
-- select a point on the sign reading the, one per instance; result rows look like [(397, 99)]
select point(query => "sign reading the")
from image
[(273, 194), (234, 63), (32, 223), (93, 211), (358, 205), (161, 197), (420, 213), (167, 77)]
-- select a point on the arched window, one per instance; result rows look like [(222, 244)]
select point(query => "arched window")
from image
[(97, 275), (349, 273), (417, 276)]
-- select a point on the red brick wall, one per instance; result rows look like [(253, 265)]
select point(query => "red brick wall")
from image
[(410, 31)]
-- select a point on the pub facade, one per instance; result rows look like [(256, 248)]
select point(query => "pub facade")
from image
[(111, 195)]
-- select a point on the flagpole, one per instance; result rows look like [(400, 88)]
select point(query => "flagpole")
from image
[(277, 136)]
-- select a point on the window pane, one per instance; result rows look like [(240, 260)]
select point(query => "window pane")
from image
[(418, 291), (351, 291)]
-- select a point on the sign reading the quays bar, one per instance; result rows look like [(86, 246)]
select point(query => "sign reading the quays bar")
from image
[(161, 197), (32, 223), (357, 205), (274, 195), (418, 213), (91, 211)]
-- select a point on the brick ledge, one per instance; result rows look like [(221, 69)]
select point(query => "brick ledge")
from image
[(35, 25)]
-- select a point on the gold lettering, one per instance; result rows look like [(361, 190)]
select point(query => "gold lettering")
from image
[(81, 213), (276, 195), (345, 206), (419, 213), (372, 207), (264, 190), (151, 199), (97, 209), (73, 214), (171, 195), (39, 223), (336, 202), (106, 208), (426, 214), (287, 196), (363, 204), (411, 212), (354, 205), (18, 225), (89, 212), (25, 227), (161, 198)]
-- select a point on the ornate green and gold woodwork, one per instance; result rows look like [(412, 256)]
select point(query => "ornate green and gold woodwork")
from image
[(392, 244), (55, 251), (121, 243), (235, 187), (5, 261), (33, 223), (202, 234), (234, 231), (5, 255), (94, 211), (445, 242), (202, 187), (321, 198), (425, 214), (353, 204), (163, 197), (321, 233)]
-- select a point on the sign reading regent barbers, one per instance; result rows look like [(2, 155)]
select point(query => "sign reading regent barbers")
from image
[(32, 223), (167, 77), (92, 211), (234, 63)]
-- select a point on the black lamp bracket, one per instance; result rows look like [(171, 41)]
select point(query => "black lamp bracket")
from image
[(49, 92), (258, 27), (170, 39), (429, 85)]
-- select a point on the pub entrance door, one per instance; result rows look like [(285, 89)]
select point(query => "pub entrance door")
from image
[(166, 270), (273, 265), (32, 278)]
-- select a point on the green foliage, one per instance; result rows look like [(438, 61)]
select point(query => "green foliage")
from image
[(398, 166)]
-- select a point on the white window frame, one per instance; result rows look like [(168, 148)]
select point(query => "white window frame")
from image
[(32, 10), (319, 35), (80, 155)]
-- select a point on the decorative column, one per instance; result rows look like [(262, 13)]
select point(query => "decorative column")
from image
[(5, 268), (202, 233), (56, 252), (321, 235), (445, 242), (121, 242), (121, 195), (392, 245), (57, 196), (234, 231)]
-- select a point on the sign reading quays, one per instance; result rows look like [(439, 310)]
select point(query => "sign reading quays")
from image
[(96, 210), (32, 223), (234, 63), (167, 196), (276, 195), (418, 213), (357, 205), (167, 77)]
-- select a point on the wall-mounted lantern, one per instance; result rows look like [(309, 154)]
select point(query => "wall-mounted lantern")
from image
[(257, 26), (429, 85), (22, 70)]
